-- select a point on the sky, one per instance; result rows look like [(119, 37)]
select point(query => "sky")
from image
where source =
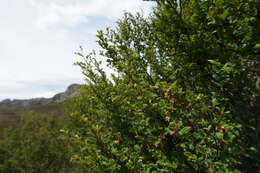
[(39, 38)]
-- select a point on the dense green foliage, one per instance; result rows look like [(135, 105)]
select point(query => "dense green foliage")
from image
[(183, 95), (36, 146)]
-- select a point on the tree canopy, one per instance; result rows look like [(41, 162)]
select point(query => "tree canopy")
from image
[(183, 96)]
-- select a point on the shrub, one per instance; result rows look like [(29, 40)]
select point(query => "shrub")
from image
[(183, 95), (36, 146)]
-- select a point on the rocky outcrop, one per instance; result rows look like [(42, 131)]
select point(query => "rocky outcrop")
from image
[(71, 91)]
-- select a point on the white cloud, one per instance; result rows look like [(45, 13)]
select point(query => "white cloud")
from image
[(38, 39), (74, 13)]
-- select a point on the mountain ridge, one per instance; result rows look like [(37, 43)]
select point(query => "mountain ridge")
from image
[(71, 91)]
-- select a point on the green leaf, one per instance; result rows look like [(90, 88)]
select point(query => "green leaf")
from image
[(184, 130), (257, 46), (167, 164), (215, 102), (224, 15), (214, 62), (219, 135), (137, 148)]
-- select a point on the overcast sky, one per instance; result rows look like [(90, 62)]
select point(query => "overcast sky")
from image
[(38, 39)]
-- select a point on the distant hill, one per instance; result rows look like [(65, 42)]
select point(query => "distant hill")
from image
[(60, 97), (12, 110)]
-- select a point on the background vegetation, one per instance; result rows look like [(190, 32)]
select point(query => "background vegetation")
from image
[(36, 146), (10, 117)]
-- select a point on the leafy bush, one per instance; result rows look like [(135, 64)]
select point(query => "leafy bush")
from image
[(36, 146), (183, 95)]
